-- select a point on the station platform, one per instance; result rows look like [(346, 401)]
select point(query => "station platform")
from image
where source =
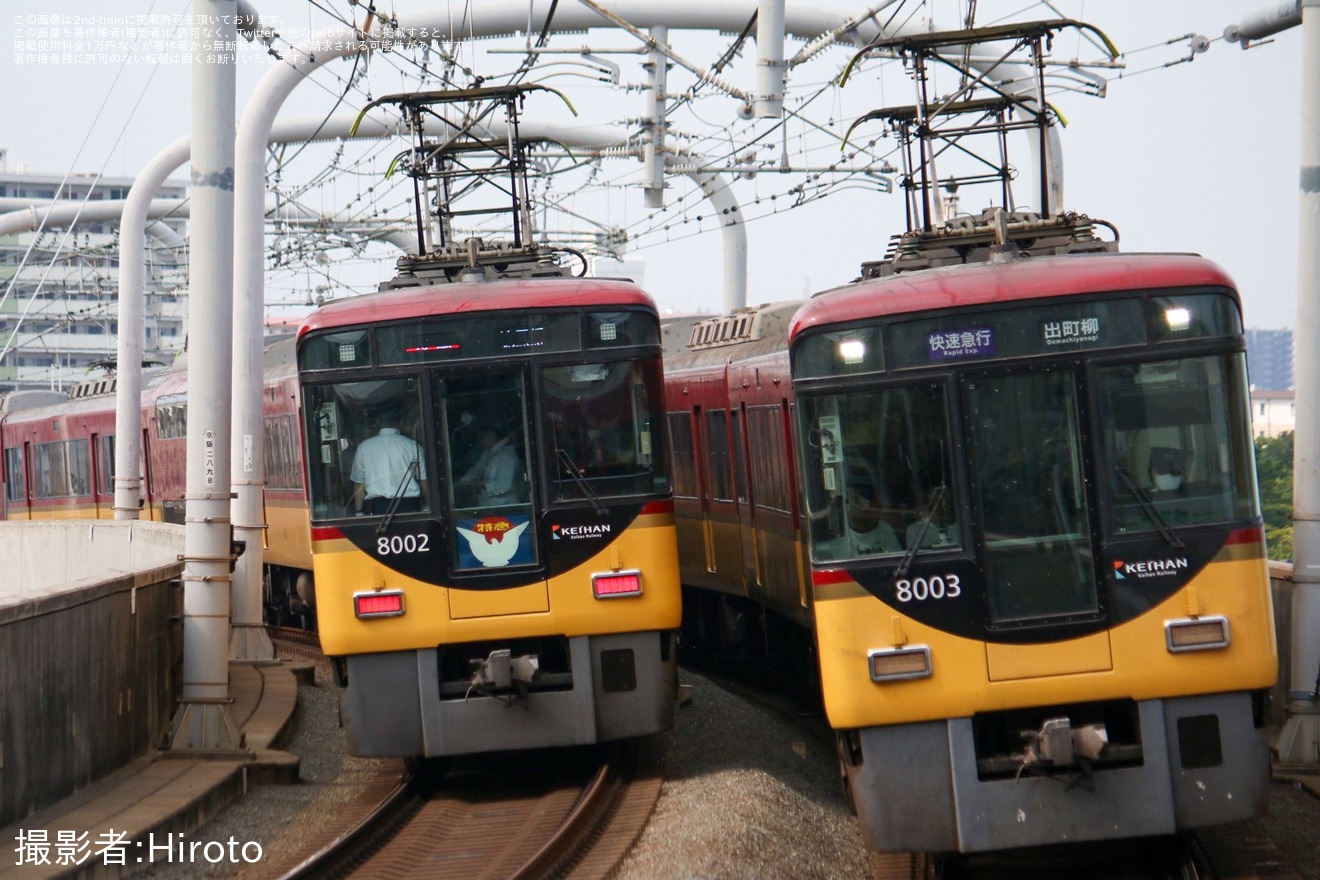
[(109, 828)]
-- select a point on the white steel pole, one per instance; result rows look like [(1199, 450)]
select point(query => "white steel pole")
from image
[(248, 638), (1299, 740), (770, 67), (653, 147), (204, 720)]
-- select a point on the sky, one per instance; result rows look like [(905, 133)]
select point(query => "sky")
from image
[(1198, 157)]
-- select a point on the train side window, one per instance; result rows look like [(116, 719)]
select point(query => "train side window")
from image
[(105, 464), (61, 469), (765, 434), (717, 455), (14, 488), (684, 455), (283, 468), (80, 467)]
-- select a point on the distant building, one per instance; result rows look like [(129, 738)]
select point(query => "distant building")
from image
[(60, 316), (1270, 359), (1272, 412)]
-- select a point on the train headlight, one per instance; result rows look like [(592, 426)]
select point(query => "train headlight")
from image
[(852, 351), (899, 664), (1201, 634), (615, 584), (378, 603), (1178, 318)]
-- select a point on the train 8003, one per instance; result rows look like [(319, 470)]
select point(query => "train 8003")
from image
[(1015, 502)]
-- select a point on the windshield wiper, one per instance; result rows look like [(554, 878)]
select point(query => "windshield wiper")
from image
[(1148, 506), (398, 496), (581, 481), (923, 524)]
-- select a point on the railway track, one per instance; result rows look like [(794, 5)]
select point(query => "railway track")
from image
[(521, 816), (571, 812)]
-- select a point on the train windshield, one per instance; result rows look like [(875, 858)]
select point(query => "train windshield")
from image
[(879, 473), (602, 417), (1028, 483), (471, 449), (1169, 436), (364, 451)]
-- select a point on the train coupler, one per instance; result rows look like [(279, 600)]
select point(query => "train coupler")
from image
[(503, 675), (1057, 745)]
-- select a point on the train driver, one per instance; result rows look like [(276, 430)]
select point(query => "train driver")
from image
[(1167, 466), (866, 533), (386, 465)]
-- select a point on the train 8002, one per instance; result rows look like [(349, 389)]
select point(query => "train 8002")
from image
[(492, 523)]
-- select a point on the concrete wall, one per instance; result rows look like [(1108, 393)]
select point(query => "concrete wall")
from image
[(91, 651)]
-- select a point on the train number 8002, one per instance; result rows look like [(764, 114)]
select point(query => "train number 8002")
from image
[(396, 544)]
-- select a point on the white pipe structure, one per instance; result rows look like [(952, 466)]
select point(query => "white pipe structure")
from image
[(769, 98), (132, 309), (734, 233), (1299, 740), (57, 215), (132, 255), (204, 720)]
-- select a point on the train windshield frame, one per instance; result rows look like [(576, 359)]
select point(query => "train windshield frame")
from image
[(551, 410), (1066, 440)]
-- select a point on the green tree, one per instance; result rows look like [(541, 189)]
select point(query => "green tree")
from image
[(1274, 468)]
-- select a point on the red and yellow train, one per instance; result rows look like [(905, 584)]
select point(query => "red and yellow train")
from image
[(59, 458), (516, 585), (1010, 507)]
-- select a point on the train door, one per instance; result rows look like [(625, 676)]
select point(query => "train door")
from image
[(1030, 487), (25, 482), (102, 477), (725, 550), (745, 495), (146, 480), (16, 494)]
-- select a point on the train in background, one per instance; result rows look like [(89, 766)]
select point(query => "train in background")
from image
[(59, 456), (1000, 493)]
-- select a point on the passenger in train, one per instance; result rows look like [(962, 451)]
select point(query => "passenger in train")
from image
[(385, 465)]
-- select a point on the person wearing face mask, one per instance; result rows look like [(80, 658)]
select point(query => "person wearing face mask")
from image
[(1167, 466)]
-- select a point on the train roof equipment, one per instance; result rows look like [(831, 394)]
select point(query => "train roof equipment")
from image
[(460, 155), (959, 140)]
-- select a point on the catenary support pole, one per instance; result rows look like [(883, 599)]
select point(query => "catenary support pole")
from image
[(204, 720), (1299, 740)]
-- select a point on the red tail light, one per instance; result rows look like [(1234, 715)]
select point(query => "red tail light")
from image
[(616, 583), (378, 603)]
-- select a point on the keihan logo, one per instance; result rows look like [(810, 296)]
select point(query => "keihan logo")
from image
[(571, 533), (1150, 568)]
